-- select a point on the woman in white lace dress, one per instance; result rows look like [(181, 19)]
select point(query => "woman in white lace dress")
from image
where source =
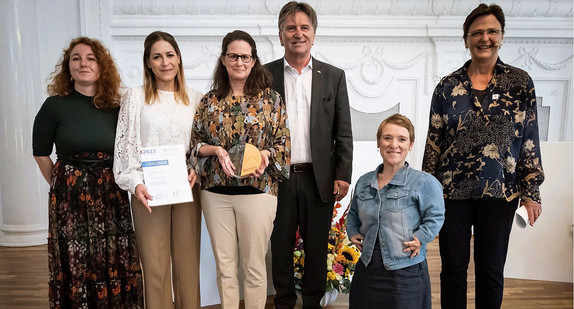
[(160, 113)]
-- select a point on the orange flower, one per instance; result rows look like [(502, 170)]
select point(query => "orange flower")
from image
[(112, 274), (116, 290), (103, 293)]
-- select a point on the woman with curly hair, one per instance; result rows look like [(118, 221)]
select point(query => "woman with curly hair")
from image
[(92, 254)]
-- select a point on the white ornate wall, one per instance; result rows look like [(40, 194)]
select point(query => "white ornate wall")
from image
[(394, 52)]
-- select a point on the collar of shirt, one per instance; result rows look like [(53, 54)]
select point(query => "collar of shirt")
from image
[(288, 68), (298, 102)]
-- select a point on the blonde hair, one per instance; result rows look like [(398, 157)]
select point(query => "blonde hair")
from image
[(399, 120)]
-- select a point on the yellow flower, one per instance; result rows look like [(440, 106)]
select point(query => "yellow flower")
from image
[(350, 254), (331, 275)]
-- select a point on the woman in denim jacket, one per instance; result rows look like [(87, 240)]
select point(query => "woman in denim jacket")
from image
[(395, 212)]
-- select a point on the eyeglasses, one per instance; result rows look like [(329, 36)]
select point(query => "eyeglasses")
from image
[(480, 33), (235, 57)]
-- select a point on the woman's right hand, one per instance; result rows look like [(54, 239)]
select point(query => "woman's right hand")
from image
[(225, 161), (357, 240), (143, 195)]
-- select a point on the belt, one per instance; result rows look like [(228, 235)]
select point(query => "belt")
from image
[(301, 167), (91, 165)]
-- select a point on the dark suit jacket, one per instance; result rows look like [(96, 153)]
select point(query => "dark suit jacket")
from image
[(331, 136)]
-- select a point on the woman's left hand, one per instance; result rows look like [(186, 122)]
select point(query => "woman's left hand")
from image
[(191, 176), (534, 210), (414, 246), (265, 154)]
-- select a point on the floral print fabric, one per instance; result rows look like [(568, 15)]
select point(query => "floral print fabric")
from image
[(260, 120), (92, 254), (480, 152)]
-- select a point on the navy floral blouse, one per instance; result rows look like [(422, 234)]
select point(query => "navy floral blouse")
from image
[(485, 149), (260, 120)]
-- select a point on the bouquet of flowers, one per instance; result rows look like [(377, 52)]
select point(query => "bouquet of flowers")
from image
[(341, 257)]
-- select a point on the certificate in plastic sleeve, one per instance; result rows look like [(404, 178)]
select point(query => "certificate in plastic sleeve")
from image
[(165, 174)]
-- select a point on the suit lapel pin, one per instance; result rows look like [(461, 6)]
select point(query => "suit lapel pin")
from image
[(318, 71)]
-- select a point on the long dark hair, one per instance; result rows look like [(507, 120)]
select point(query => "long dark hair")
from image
[(150, 86), (258, 79)]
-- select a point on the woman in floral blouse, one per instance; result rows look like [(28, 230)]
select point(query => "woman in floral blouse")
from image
[(239, 212), (483, 146)]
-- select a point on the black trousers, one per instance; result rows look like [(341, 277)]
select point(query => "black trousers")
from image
[(300, 206), (492, 221)]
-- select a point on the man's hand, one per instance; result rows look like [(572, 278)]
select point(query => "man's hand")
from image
[(340, 189)]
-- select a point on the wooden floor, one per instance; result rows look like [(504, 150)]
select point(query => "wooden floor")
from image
[(24, 277)]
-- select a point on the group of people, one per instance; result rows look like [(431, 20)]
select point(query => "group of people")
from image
[(482, 149)]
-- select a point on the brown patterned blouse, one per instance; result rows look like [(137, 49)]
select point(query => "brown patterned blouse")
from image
[(485, 149), (259, 119)]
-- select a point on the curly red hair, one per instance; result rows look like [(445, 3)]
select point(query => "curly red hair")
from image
[(108, 85)]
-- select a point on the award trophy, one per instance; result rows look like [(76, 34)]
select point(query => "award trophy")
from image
[(246, 158)]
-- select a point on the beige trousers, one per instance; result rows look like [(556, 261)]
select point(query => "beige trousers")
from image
[(168, 242), (240, 224)]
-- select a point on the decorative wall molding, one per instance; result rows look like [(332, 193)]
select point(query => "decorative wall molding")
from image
[(372, 63), (530, 8), (527, 59), (387, 48)]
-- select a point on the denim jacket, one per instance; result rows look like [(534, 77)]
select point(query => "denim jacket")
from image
[(410, 204)]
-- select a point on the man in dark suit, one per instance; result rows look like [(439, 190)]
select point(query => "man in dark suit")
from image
[(321, 155)]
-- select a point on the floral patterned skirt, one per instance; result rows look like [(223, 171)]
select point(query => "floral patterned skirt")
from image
[(92, 252)]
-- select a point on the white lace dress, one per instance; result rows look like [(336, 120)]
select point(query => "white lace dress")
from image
[(165, 122)]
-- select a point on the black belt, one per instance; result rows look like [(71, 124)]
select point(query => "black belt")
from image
[(301, 167), (91, 165)]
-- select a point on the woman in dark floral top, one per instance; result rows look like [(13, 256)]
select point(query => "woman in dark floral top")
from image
[(239, 212), (483, 146)]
